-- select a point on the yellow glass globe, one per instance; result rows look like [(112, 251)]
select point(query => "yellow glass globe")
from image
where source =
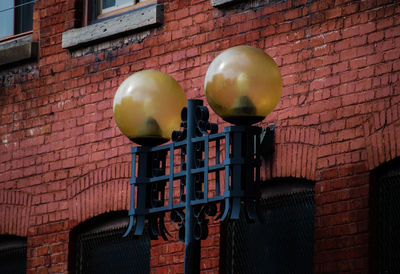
[(147, 107), (243, 85)]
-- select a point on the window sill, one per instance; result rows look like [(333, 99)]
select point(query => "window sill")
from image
[(218, 3), (16, 50), (138, 19)]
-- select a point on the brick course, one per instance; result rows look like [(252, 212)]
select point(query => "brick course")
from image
[(338, 118)]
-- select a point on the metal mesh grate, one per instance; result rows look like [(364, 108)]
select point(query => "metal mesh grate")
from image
[(106, 251), (12, 257), (389, 221), (281, 243)]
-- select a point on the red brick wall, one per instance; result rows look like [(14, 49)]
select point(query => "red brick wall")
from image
[(337, 120)]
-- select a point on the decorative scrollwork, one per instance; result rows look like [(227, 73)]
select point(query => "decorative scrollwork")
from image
[(178, 216), (238, 173), (200, 229), (157, 195), (157, 191), (203, 126), (157, 226)]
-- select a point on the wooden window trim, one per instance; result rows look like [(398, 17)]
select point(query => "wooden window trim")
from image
[(11, 37), (86, 9)]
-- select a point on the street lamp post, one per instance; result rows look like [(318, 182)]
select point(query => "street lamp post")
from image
[(242, 85)]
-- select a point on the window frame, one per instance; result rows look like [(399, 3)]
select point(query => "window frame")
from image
[(14, 35), (91, 16), (144, 15), (18, 48), (104, 12)]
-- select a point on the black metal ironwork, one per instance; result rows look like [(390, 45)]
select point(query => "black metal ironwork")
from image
[(282, 242), (12, 255), (389, 220), (231, 158), (103, 250)]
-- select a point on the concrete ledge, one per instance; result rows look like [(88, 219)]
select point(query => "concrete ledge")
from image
[(18, 49), (217, 3), (141, 18)]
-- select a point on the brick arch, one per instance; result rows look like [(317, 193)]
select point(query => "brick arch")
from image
[(383, 136), (15, 211), (100, 191), (296, 151)]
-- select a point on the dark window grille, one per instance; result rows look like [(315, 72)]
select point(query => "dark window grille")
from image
[(12, 255), (388, 224), (281, 243), (102, 249)]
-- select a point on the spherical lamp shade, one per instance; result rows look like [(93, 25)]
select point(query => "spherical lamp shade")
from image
[(243, 85), (147, 107)]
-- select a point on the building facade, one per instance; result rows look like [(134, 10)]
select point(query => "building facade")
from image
[(65, 166)]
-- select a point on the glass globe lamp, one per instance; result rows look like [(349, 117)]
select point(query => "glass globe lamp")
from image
[(243, 85), (147, 107)]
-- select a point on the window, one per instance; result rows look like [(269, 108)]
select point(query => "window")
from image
[(16, 21), (110, 5), (98, 10), (12, 254), (283, 240), (104, 7), (16, 17), (97, 246), (385, 209), (105, 19)]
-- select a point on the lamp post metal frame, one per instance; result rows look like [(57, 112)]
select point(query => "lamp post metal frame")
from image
[(152, 181)]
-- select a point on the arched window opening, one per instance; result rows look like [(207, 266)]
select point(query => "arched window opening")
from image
[(283, 240), (12, 254), (385, 218), (97, 246)]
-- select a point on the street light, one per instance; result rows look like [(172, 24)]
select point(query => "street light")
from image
[(139, 107), (242, 85)]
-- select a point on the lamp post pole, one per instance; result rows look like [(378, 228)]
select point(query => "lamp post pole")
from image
[(192, 246)]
